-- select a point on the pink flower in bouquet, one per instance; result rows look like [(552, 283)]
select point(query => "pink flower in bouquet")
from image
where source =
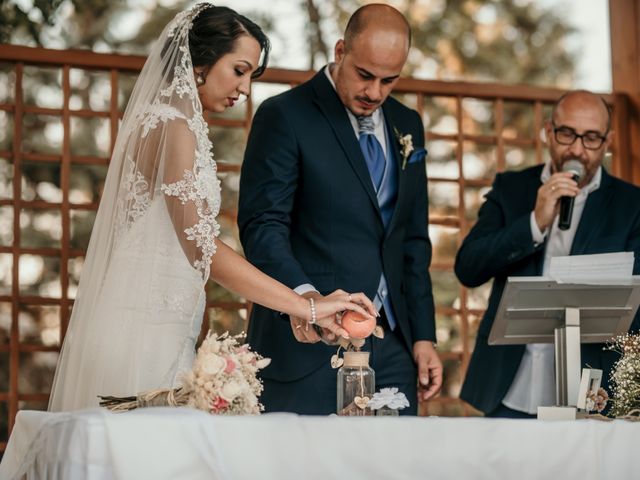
[(219, 404), (231, 365)]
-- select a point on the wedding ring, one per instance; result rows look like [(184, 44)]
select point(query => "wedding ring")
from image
[(349, 298), (298, 327), (553, 188)]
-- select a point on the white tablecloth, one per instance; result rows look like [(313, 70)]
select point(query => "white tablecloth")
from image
[(159, 443)]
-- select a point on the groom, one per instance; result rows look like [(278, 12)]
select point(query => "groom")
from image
[(333, 194)]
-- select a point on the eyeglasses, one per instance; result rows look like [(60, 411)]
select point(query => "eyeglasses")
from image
[(590, 140)]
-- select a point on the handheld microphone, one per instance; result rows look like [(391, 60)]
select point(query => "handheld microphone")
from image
[(566, 203)]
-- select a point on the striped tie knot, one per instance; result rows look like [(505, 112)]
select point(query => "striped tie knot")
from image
[(365, 125)]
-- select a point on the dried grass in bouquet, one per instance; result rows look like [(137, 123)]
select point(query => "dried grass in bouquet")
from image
[(223, 381)]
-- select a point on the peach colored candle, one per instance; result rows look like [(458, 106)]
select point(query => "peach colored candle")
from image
[(357, 325)]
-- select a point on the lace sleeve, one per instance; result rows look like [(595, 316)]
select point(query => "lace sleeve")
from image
[(192, 191)]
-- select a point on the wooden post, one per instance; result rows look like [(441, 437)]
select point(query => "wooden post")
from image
[(624, 18)]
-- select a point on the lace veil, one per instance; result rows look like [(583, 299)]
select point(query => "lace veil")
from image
[(140, 301)]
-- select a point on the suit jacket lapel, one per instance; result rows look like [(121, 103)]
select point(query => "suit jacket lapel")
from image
[(391, 123), (329, 103), (590, 222)]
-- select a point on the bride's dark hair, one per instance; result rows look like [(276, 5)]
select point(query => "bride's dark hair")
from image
[(214, 32)]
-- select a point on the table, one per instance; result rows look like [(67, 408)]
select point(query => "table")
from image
[(182, 443)]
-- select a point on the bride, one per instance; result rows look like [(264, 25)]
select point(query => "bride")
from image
[(141, 299)]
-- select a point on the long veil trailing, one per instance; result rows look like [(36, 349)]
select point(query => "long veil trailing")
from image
[(141, 297)]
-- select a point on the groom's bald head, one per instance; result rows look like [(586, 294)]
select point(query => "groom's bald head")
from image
[(376, 17)]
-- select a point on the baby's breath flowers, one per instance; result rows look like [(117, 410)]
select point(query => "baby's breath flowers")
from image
[(625, 377)]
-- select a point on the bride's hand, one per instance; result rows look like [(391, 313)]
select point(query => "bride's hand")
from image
[(301, 329), (328, 307), (360, 299)]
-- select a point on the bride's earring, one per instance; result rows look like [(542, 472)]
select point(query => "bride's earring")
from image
[(200, 79)]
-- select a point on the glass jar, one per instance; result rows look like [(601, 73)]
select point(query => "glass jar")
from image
[(356, 385), (387, 412)]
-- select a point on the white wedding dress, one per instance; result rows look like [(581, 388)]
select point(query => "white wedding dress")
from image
[(151, 311), (141, 299), (148, 317)]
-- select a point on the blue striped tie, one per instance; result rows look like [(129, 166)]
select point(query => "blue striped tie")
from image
[(371, 149), (376, 161)]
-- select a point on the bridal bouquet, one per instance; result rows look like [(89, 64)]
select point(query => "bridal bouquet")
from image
[(222, 381)]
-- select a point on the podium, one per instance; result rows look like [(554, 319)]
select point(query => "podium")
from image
[(542, 310)]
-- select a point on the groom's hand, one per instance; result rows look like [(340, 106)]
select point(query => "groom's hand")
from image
[(429, 369), (302, 331)]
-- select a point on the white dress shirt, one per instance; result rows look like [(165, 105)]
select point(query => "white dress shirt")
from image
[(534, 383)]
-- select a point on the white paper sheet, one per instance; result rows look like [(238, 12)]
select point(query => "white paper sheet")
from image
[(596, 269)]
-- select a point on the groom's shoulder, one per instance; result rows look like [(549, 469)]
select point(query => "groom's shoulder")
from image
[(402, 117), (294, 96), (399, 108)]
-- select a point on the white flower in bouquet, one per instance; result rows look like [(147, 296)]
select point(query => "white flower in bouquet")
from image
[(388, 397), (209, 347), (210, 363), (262, 362), (252, 402), (230, 390)]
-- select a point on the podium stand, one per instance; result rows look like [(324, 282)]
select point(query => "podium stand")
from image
[(542, 310)]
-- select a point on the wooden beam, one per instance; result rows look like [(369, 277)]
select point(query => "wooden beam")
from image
[(76, 57), (86, 59), (624, 18)]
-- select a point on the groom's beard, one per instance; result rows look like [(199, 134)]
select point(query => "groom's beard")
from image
[(370, 104), (366, 106)]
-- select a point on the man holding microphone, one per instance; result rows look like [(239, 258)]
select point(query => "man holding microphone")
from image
[(568, 206)]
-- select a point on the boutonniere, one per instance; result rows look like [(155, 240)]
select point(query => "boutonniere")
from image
[(406, 145), (410, 154)]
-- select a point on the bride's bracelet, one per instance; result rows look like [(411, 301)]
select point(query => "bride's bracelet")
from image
[(312, 304)]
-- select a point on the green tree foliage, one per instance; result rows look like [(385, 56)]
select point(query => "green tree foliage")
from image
[(63, 23), (510, 41), (16, 23)]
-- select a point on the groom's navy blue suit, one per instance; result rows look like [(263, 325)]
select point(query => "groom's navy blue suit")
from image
[(308, 214), (500, 245)]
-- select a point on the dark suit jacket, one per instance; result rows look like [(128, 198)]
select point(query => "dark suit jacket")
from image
[(308, 213), (500, 245)]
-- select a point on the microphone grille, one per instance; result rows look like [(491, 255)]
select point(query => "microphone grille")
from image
[(574, 166)]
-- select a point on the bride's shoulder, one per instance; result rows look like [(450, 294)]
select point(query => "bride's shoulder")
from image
[(165, 121), (163, 115)]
